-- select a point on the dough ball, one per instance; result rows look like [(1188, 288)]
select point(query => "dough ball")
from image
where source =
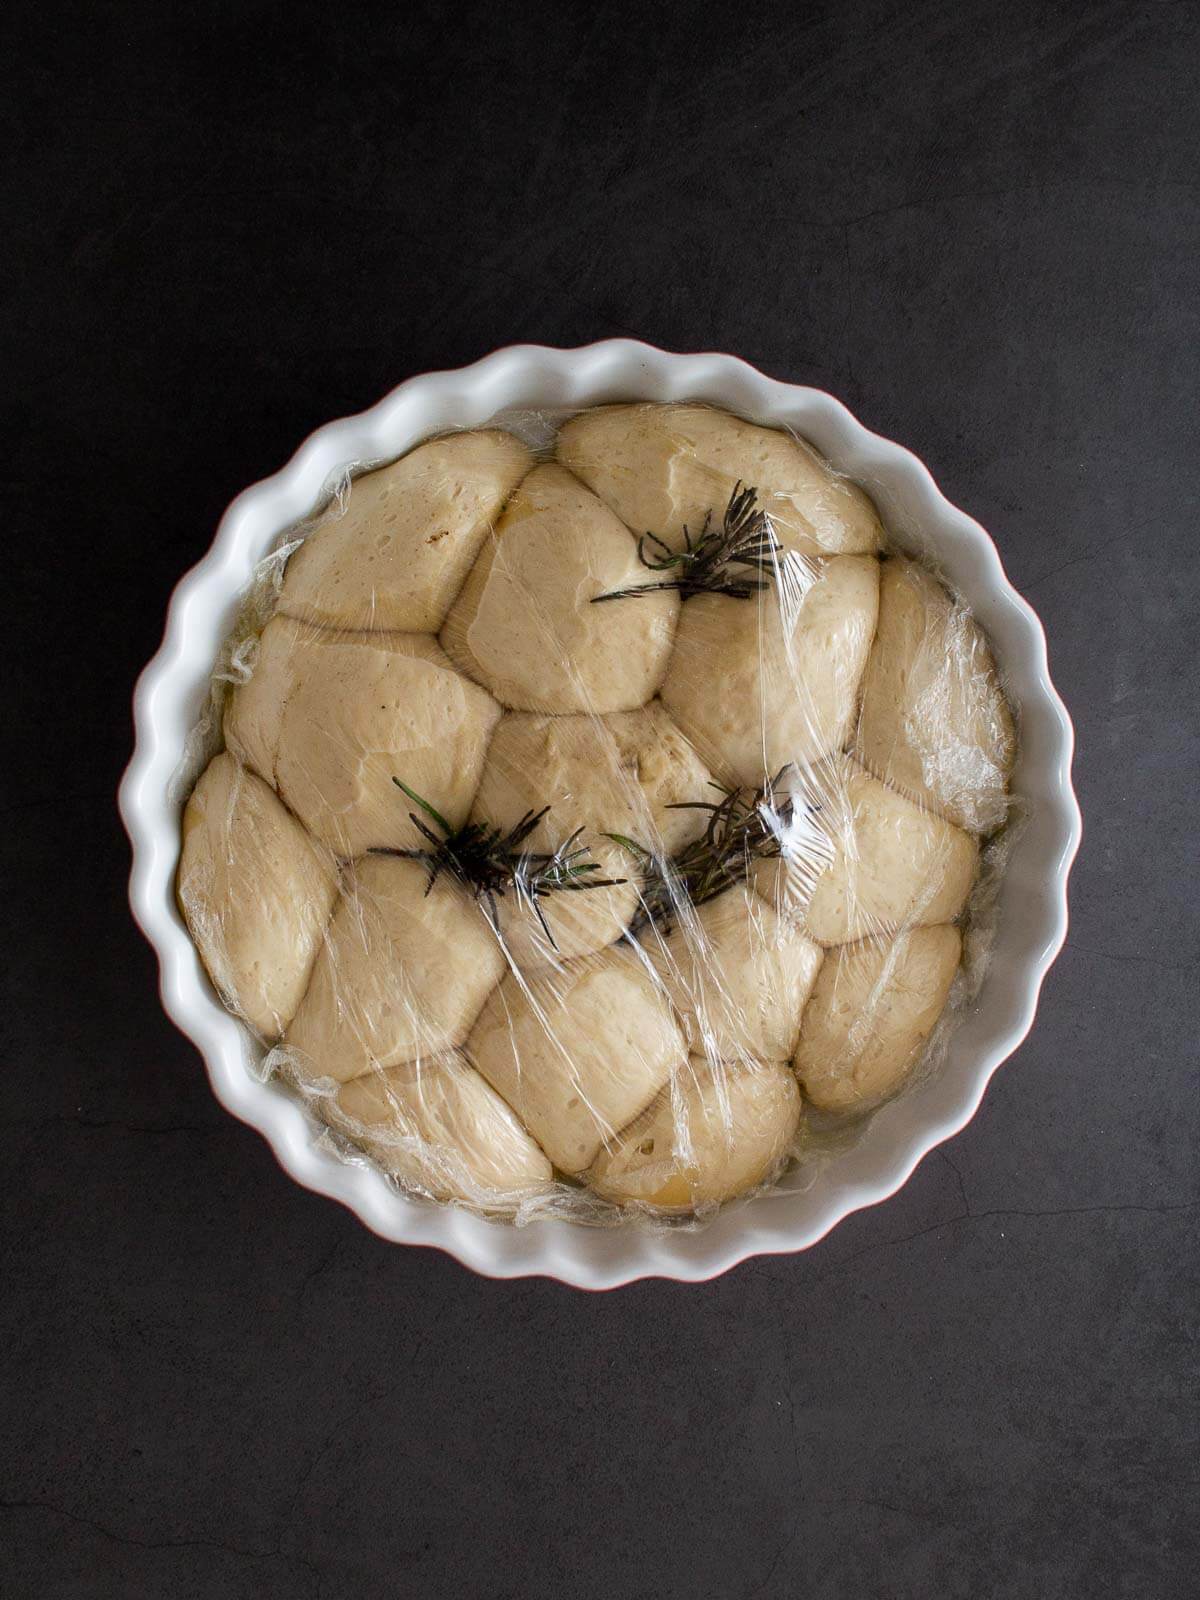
[(398, 553), (579, 921), (524, 624), (331, 718), (577, 1051), (254, 710), (879, 862), (256, 893), (401, 973), (738, 974), (934, 721), (437, 1126), (873, 1008), (663, 467), (714, 1132), (613, 774), (755, 685), (657, 769)]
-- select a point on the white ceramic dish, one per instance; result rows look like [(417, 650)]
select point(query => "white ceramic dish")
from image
[(1033, 908)]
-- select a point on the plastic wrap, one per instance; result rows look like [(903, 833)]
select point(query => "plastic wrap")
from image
[(592, 815)]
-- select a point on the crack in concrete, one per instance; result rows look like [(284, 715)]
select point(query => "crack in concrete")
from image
[(375, 1398), (277, 1553), (976, 1216), (323, 1265), (962, 1188), (1123, 960), (58, 1121)]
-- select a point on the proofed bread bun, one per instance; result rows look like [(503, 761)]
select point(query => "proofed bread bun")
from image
[(577, 922), (873, 1007), (934, 721), (738, 975), (617, 774), (332, 718), (395, 553), (256, 893), (888, 863), (663, 467), (656, 770), (402, 972), (525, 625), (436, 1125), (577, 1051), (754, 685), (714, 1132)]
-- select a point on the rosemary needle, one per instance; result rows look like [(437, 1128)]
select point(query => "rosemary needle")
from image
[(743, 826), (489, 861), (745, 540)]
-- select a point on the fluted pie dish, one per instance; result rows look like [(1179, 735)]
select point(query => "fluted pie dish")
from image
[(588, 824)]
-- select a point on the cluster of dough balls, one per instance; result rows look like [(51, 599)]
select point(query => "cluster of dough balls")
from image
[(439, 628)]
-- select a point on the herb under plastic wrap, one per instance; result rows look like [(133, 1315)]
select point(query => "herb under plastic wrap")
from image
[(706, 564), (489, 861), (744, 826)]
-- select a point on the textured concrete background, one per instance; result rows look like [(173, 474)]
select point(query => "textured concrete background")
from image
[(978, 224)]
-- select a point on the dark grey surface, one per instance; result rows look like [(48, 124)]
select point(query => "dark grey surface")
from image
[(976, 223)]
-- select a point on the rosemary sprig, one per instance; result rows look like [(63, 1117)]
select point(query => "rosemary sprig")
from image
[(705, 565), (489, 861), (744, 826)]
